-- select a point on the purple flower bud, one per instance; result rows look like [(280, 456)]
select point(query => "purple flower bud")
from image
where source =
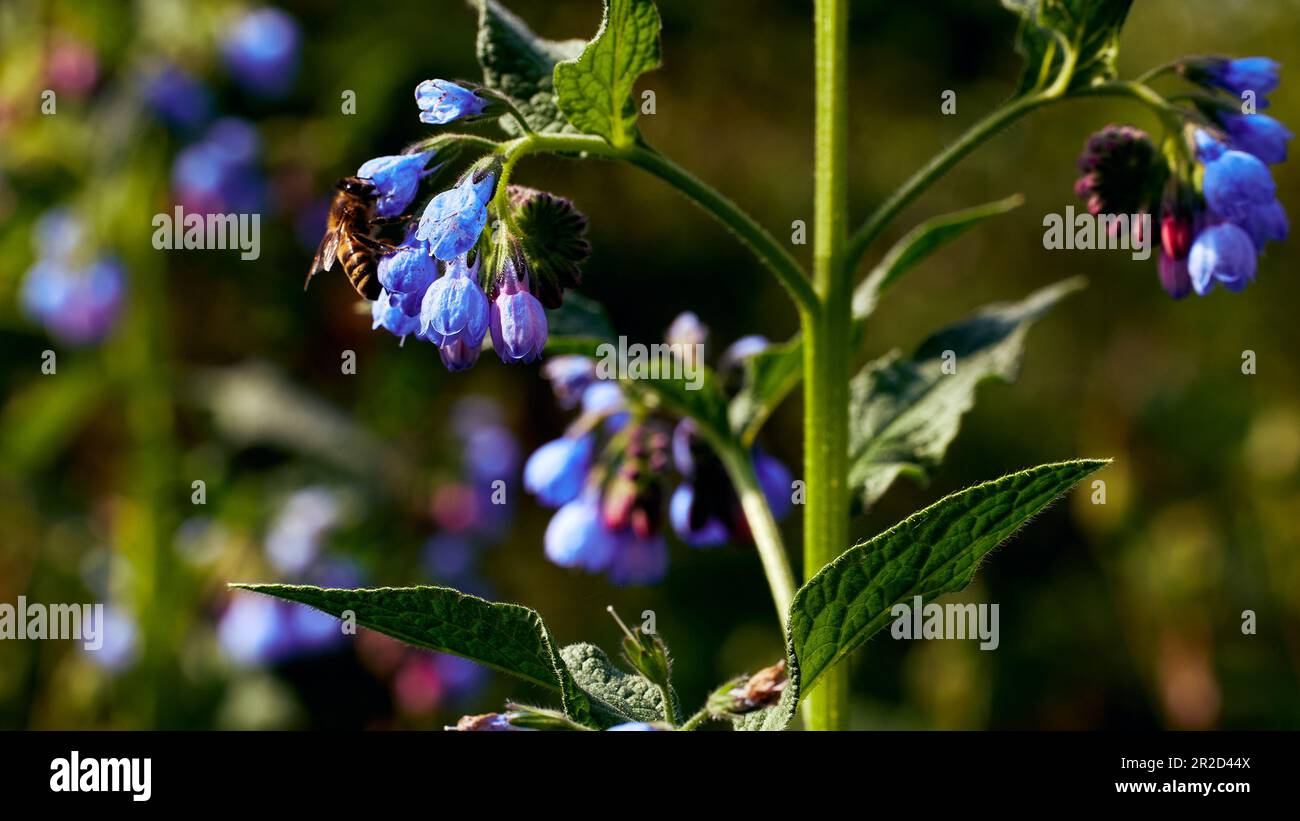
[(409, 269), (261, 51), (556, 471), (77, 306), (577, 536), (1259, 134), (1174, 277), (1224, 254), (396, 180), (710, 533), (518, 320), (442, 102), (687, 329), (1236, 184), (454, 314), (683, 445), (453, 220)]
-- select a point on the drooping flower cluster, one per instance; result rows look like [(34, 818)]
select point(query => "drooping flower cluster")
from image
[(1211, 189), (75, 292), (609, 475), (449, 281)]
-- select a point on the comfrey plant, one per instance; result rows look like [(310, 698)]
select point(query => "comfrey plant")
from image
[(452, 282)]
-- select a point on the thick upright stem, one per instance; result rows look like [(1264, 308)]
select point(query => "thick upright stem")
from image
[(826, 335)]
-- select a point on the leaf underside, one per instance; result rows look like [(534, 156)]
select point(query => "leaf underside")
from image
[(521, 65)]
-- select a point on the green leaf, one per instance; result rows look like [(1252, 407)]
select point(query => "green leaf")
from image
[(521, 65), (1051, 29), (905, 412), (919, 243), (616, 696), (933, 552), (595, 90), (506, 637), (770, 376)]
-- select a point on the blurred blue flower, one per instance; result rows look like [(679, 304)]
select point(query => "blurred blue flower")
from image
[(710, 533), (1237, 183), (121, 643), (177, 97), (1223, 254), (77, 306), (218, 174), (569, 376), (441, 102), (577, 537), (261, 51), (557, 471), (637, 560), (1258, 74), (294, 539), (454, 219), (396, 179), (1260, 135), (775, 480), (1266, 224), (633, 727)]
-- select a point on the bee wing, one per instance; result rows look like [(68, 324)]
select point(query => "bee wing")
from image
[(326, 253)]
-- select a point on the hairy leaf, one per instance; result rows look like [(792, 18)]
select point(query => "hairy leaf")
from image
[(905, 412), (1052, 29), (521, 65), (507, 637), (595, 90), (930, 553), (919, 243), (616, 696)]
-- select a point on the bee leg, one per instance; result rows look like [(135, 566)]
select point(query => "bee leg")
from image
[(376, 245)]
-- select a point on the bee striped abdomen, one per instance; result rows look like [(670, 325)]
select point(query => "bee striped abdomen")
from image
[(358, 262)]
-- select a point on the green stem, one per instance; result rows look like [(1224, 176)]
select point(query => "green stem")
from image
[(696, 720), (767, 536), (670, 706), (826, 340)]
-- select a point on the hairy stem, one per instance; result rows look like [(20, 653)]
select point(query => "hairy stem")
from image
[(767, 536), (826, 340)]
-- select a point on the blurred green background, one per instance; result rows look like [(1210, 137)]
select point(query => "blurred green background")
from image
[(1123, 615)]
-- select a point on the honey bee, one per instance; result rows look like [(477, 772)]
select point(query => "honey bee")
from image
[(347, 237)]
